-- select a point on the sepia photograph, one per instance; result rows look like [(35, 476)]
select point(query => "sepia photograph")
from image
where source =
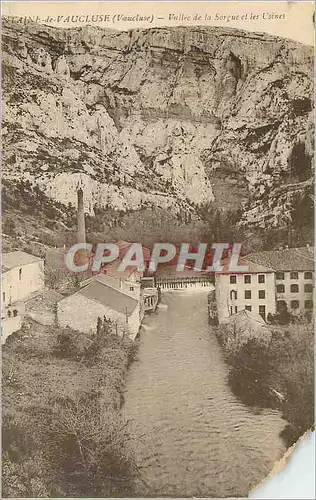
[(157, 246)]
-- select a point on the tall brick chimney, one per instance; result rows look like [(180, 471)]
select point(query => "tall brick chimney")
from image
[(81, 228)]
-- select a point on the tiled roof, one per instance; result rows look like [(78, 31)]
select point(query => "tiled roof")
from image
[(112, 270), (110, 297), (124, 246), (18, 259), (288, 259)]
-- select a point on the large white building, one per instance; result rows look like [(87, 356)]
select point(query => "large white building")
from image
[(252, 291), (22, 279), (274, 278)]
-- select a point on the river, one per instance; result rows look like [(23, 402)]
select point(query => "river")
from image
[(192, 436)]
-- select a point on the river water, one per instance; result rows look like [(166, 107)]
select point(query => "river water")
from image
[(192, 436)]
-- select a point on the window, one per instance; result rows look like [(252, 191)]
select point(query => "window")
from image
[(3, 297), (247, 294), (261, 278), (233, 294), (131, 288), (294, 275), (20, 273), (262, 294), (248, 308), (308, 288), (294, 289), (247, 278), (308, 304), (295, 304), (231, 310), (281, 306), (233, 279), (308, 275), (279, 276), (262, 312), (280, 288), (236, 309)]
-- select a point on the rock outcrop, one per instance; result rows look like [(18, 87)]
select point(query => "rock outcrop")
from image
[(170, 117)]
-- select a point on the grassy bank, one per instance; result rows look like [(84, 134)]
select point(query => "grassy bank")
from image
[(63, 434), (278, 374)]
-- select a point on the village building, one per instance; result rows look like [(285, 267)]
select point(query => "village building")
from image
[(252, 291), (22, 279), (98, 299), (274, 279), (133, 281), (293, 273)]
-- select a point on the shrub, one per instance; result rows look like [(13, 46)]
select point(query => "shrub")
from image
[(249, 373), (64, 435), (280, 375), (91, 448)]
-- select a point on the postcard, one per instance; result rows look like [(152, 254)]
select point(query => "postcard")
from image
[(158, 260)]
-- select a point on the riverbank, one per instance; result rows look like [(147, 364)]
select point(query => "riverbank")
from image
[(277, 374), (190, 430), (63, 433)]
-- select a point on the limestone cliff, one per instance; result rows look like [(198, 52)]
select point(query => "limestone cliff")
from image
[(169, 117)]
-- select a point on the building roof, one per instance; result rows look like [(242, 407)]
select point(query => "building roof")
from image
[(112, 270), (124, 246), (109, 297), (287, 259), (18, 259), (245, 316), (253, 267)]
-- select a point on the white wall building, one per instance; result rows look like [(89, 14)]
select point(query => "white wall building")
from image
[(294, 273), (252, 291), (22, 279), (273, 278), (98, 298), (23, 275)]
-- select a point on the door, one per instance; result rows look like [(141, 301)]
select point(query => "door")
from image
[(262, 312)]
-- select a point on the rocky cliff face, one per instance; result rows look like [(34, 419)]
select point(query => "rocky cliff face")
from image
[(171, 117)]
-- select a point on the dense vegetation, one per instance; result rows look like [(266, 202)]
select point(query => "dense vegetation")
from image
[(63, 433), (278, 375), (35, 223)]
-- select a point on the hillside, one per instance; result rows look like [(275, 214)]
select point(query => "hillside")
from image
[(172, 119)]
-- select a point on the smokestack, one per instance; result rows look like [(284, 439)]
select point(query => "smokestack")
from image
[(81, 229)]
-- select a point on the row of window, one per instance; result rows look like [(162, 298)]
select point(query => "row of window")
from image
[(308, 275), (247, 278), (308, 288), (261, 294), (279, 276), (295, 304), (261, 310)]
